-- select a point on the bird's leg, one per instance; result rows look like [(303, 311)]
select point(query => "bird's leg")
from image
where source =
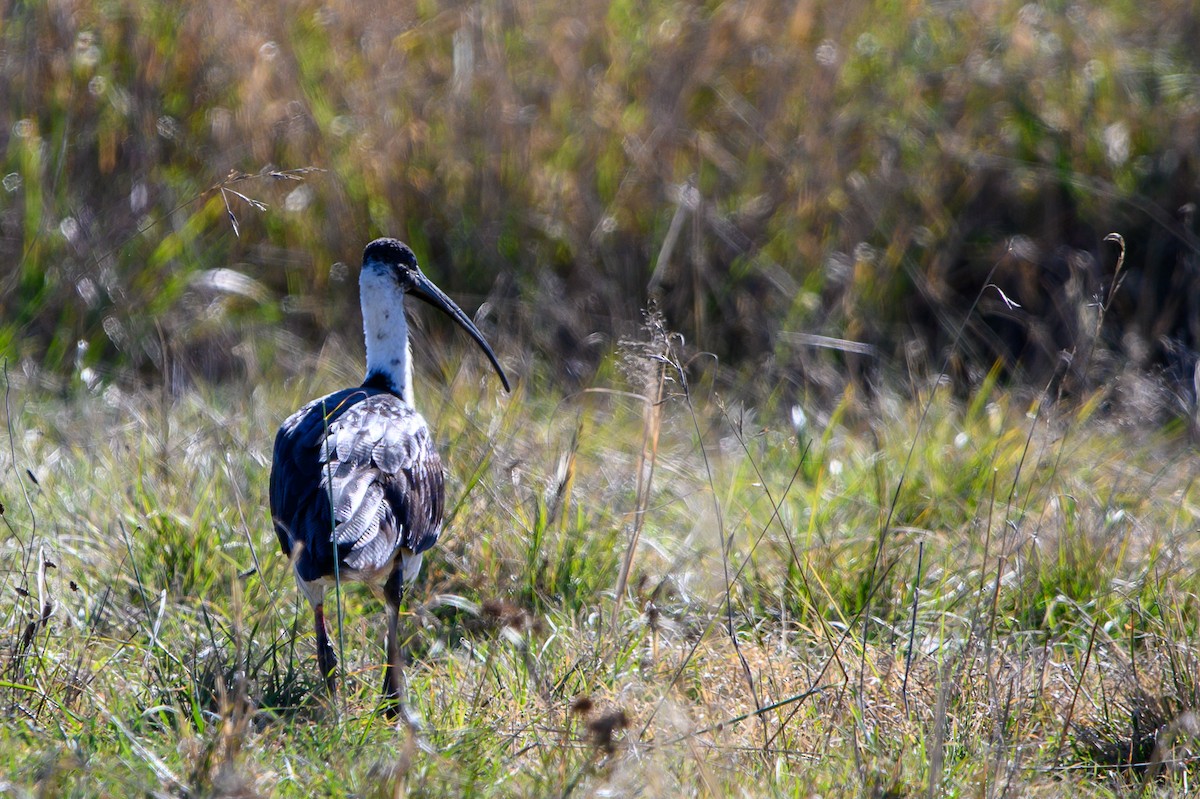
[(395, 690), (326, 660)]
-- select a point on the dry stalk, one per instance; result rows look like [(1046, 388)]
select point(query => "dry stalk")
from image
[(647, 458)]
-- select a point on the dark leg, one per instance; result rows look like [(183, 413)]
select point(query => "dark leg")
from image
[(395, 689), (326, 660)]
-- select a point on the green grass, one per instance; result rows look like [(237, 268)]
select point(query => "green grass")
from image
[(651, 581), (855, 170), (985, 598)]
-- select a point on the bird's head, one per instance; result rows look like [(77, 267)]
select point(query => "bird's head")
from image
[(393, 258)]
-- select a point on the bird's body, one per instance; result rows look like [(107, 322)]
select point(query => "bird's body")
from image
[(356, 482), (371, 452)]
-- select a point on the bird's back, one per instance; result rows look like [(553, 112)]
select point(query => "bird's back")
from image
[(371, 454)]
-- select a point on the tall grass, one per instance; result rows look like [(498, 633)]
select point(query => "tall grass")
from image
[(811, 564), (770, 171), (730, 625)]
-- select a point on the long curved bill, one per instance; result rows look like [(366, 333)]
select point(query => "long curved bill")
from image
[(424, 288)]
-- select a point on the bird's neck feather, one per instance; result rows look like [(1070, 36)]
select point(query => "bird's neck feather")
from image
[(385, 328)]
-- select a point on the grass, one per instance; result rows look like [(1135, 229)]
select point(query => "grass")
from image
[(897, 597), (768, 170), (776, 574)]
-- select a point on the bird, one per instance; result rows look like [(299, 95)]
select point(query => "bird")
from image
[(357, 488)]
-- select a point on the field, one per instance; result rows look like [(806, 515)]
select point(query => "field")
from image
[(847, 453), (897, 596)]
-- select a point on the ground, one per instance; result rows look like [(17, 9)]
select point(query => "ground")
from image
[(887, 597)]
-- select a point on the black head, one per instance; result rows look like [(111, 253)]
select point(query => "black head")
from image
[(391, 252), (396, 255)]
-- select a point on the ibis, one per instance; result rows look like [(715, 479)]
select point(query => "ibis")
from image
[(356, 482)]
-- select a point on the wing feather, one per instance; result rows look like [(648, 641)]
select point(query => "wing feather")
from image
[(359, 522), (370, 453)]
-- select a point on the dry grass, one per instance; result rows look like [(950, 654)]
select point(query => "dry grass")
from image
[(1025, 625), (770, 171), (651, 583)]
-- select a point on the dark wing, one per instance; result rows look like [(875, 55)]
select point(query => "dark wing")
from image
[(372, 455), (299, 509)]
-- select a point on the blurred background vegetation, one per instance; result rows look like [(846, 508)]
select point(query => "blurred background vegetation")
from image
[(774, 173), (828, 196)]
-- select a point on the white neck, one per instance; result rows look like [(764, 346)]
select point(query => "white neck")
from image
[(386, 330)]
